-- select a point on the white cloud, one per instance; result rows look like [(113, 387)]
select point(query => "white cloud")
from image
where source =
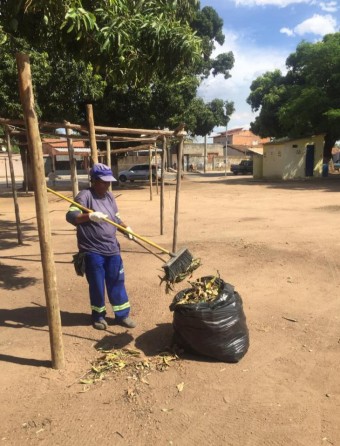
[(318, 24), (278, 3), (250, 63), (329, 6), (287, 31)]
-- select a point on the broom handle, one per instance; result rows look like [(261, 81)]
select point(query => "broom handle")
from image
[(121, 228), (148, 249)]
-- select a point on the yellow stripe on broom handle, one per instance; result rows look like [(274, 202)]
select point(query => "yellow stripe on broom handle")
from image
[(149, 242)]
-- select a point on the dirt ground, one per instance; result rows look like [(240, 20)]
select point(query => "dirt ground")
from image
[(277, 243)]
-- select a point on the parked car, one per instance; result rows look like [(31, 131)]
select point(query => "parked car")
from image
[(139, 172), (245, 166)]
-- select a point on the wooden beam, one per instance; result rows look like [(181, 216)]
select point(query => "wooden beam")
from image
[(146, 132), (115, 138), (92, 132), (131, 149), (41, 203), (83, 128), (181, 136)]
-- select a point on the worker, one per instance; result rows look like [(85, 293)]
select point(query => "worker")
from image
[(98, 244)]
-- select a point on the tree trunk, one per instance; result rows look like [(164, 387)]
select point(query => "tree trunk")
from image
[(328, 146)]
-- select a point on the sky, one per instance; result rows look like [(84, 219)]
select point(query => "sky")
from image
[(262, 34)]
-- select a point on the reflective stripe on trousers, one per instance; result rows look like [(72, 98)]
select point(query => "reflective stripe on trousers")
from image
[(106, 270)]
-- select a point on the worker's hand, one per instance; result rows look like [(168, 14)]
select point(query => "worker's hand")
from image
[(97, 216), (129, 236)]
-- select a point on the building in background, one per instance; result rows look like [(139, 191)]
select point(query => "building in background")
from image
[(240, 141), (56, 155), (299, 158)]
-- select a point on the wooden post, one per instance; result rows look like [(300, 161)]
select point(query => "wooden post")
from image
[(162, 184), (156, 164), (92, 133), (108, 157), (41, 203), (73, 162), (181, 135), (53, 163), (6, 173), (150, 172), (26, 170), (14, 191), (168, 158)]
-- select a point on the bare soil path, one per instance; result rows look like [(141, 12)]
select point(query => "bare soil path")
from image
[(277, 243)]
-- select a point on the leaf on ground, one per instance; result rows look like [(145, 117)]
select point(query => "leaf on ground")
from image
[(130, 391), (180, 387), (86, 381)]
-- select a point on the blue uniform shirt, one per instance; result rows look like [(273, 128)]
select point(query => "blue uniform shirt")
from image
[(94, 237)]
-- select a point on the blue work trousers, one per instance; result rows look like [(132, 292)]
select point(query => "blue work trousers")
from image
[(106, 270)]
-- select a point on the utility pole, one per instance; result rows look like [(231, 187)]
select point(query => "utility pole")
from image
[(226, 150), (205, 155)]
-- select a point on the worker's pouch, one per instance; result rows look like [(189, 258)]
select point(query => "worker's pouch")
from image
[(79, 263), (216, 329)]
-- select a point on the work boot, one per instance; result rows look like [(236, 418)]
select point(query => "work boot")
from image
[(100, 324), (126, 322)]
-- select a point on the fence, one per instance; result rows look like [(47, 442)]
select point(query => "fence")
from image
[(213, 163)]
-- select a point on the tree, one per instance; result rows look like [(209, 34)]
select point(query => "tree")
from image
[(127, 41), (304, 101), (148, 52), (139, 61), (62, 86)]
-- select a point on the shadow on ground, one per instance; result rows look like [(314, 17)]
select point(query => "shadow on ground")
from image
[(155, 341), (11, 278), (117, 341), (25, 361), (328, 184), (9, 234), (29, 317)]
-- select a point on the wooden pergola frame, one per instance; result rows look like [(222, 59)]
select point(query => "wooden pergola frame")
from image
[(33, 130)]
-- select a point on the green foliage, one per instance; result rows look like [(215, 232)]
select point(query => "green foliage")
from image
[(304, 101), (127, 41), (201, 118), (138, 61), (61, 85), (222, 64)]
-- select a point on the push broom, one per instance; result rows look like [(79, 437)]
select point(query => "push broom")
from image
[(180, 264)]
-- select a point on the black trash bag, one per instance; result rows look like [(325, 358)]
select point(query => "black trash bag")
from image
[(215, 329), (79, 263)]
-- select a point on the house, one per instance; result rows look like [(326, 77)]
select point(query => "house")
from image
[(55, 151), (239, 141), (293, 158)]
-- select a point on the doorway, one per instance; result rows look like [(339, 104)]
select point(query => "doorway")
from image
[(309, 169)]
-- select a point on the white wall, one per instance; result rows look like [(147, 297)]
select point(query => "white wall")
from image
[(287, 160)]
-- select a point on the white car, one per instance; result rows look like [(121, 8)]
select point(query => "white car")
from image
[(139, 172)]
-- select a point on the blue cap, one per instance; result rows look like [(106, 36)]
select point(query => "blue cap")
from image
[(102, 172)]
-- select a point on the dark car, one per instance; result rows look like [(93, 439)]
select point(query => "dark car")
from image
[(245, 166), (139, 172)]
